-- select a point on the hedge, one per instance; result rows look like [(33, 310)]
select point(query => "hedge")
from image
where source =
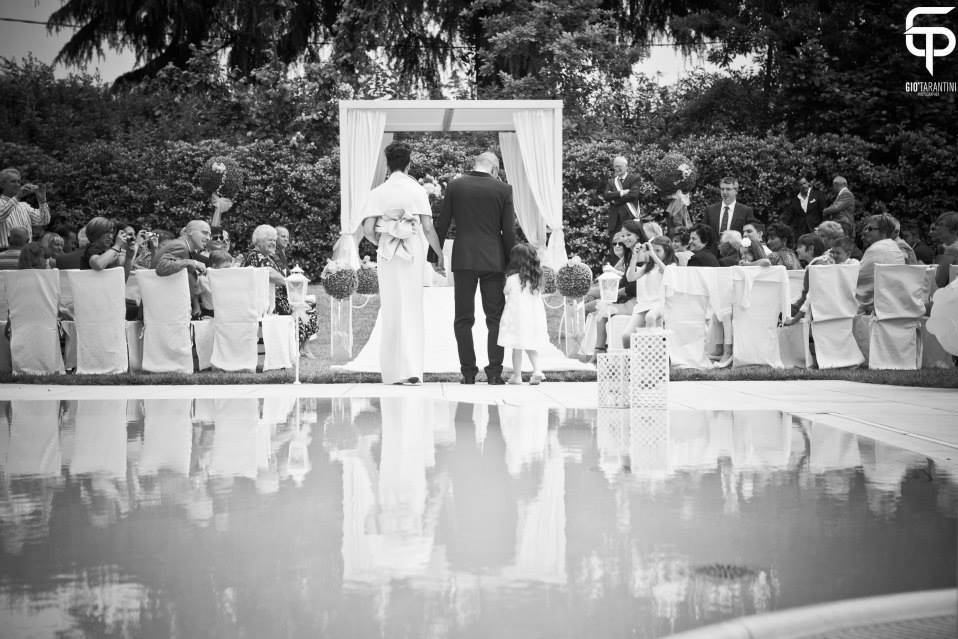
[(914, 176)]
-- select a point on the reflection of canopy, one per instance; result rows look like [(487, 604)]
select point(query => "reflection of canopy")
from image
[(530, 138)]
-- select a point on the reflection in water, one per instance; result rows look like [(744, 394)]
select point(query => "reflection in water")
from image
[(420, 517)]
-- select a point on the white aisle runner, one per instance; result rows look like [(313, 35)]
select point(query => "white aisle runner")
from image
[(442, 356)]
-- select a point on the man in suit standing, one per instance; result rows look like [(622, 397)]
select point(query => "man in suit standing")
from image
[(842, 209), (480, 206), (184, 253), (622, 194), (805, 209), (728, 215)]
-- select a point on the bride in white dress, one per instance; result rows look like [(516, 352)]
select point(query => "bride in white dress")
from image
[(392, 217)]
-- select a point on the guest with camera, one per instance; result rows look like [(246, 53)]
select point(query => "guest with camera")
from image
[(14, 213)]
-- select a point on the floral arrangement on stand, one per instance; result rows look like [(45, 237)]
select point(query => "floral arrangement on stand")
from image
[(548, 280), (339, 280), (367, 277), (675, 176), (221, 178), (573, 281)]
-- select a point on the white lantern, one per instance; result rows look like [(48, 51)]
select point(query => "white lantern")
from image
[(609, 284), (296, 288)]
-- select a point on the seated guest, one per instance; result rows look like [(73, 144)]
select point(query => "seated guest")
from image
[(32, 256), (906, 249), (730, 248), (69, 235), (946, 234), (809, 248), (881, 248), (183, 253), (830, 231), (10, 258), (52, 244), (924, 252), (680, 245), (752, 254), (263, 254), (699, 238), (628, 237), (754, 231), (107, 248), (282, 246), (779, 237), (649, 294)]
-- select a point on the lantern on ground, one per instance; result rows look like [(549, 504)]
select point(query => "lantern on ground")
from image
[(296, 284)]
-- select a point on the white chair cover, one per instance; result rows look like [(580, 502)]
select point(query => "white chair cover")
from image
[(166, 322), (760, 297), (686, 303), (100, 316), (237, 302), (34, 339), (65, 303), (832, 307), (900, 294), (280, 343), (265, 291)]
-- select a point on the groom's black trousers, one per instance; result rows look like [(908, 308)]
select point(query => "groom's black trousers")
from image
[(491, 285)]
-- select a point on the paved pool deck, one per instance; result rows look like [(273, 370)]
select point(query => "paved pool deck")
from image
[(924, 420)]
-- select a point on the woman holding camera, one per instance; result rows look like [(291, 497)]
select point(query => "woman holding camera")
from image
[(106, 248)]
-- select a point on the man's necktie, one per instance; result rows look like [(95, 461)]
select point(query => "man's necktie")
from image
[(723, 223)]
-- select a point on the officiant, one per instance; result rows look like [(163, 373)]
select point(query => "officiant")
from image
[(622, 194)]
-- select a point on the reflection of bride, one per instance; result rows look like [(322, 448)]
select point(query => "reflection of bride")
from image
[(394, 213)]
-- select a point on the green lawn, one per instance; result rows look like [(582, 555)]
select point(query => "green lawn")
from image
[(319, 371)]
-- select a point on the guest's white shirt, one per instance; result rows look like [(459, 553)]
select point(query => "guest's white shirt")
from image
[(17, 214)]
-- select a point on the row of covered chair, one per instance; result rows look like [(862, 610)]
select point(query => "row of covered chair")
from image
[(99, 340), (752, 301)]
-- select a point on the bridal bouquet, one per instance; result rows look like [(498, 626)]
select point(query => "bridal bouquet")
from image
[(675, 176), (574, 279), (367, 278), (220, 176), (339, 280)]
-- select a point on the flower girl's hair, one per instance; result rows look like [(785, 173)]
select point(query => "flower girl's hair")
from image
[(525, 261)]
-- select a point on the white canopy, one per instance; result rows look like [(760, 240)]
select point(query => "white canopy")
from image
[(530, 136)]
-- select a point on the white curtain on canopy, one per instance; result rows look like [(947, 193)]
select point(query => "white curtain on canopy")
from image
[(539, 145), (361, 142), (527, 211)]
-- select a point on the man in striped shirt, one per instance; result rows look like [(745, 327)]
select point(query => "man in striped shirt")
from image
[(17, 214)]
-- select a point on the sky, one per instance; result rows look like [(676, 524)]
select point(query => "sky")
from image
[(19, 39)]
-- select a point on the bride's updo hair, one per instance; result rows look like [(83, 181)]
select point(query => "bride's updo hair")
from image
[(397, 156)]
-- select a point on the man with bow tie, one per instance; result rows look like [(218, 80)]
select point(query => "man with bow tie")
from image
[(805, 209), (622, 194)]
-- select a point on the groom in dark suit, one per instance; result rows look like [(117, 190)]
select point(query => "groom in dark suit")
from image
[(480, 207), (728, 215)]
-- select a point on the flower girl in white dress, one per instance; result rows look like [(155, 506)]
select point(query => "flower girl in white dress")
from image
[(523, 324)]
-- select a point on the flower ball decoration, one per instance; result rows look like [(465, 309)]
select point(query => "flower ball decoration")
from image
[(574, 279), (220, 176), (674, 172), (548, 280), (368, 278), (339, 280)]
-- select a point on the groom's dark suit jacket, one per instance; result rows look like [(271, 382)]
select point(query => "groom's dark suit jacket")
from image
[(482, 210)]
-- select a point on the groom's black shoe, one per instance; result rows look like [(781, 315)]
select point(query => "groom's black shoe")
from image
[(495, 380), (468, 379)]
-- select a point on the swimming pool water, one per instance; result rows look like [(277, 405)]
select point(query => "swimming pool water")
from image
[(394, 517)]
